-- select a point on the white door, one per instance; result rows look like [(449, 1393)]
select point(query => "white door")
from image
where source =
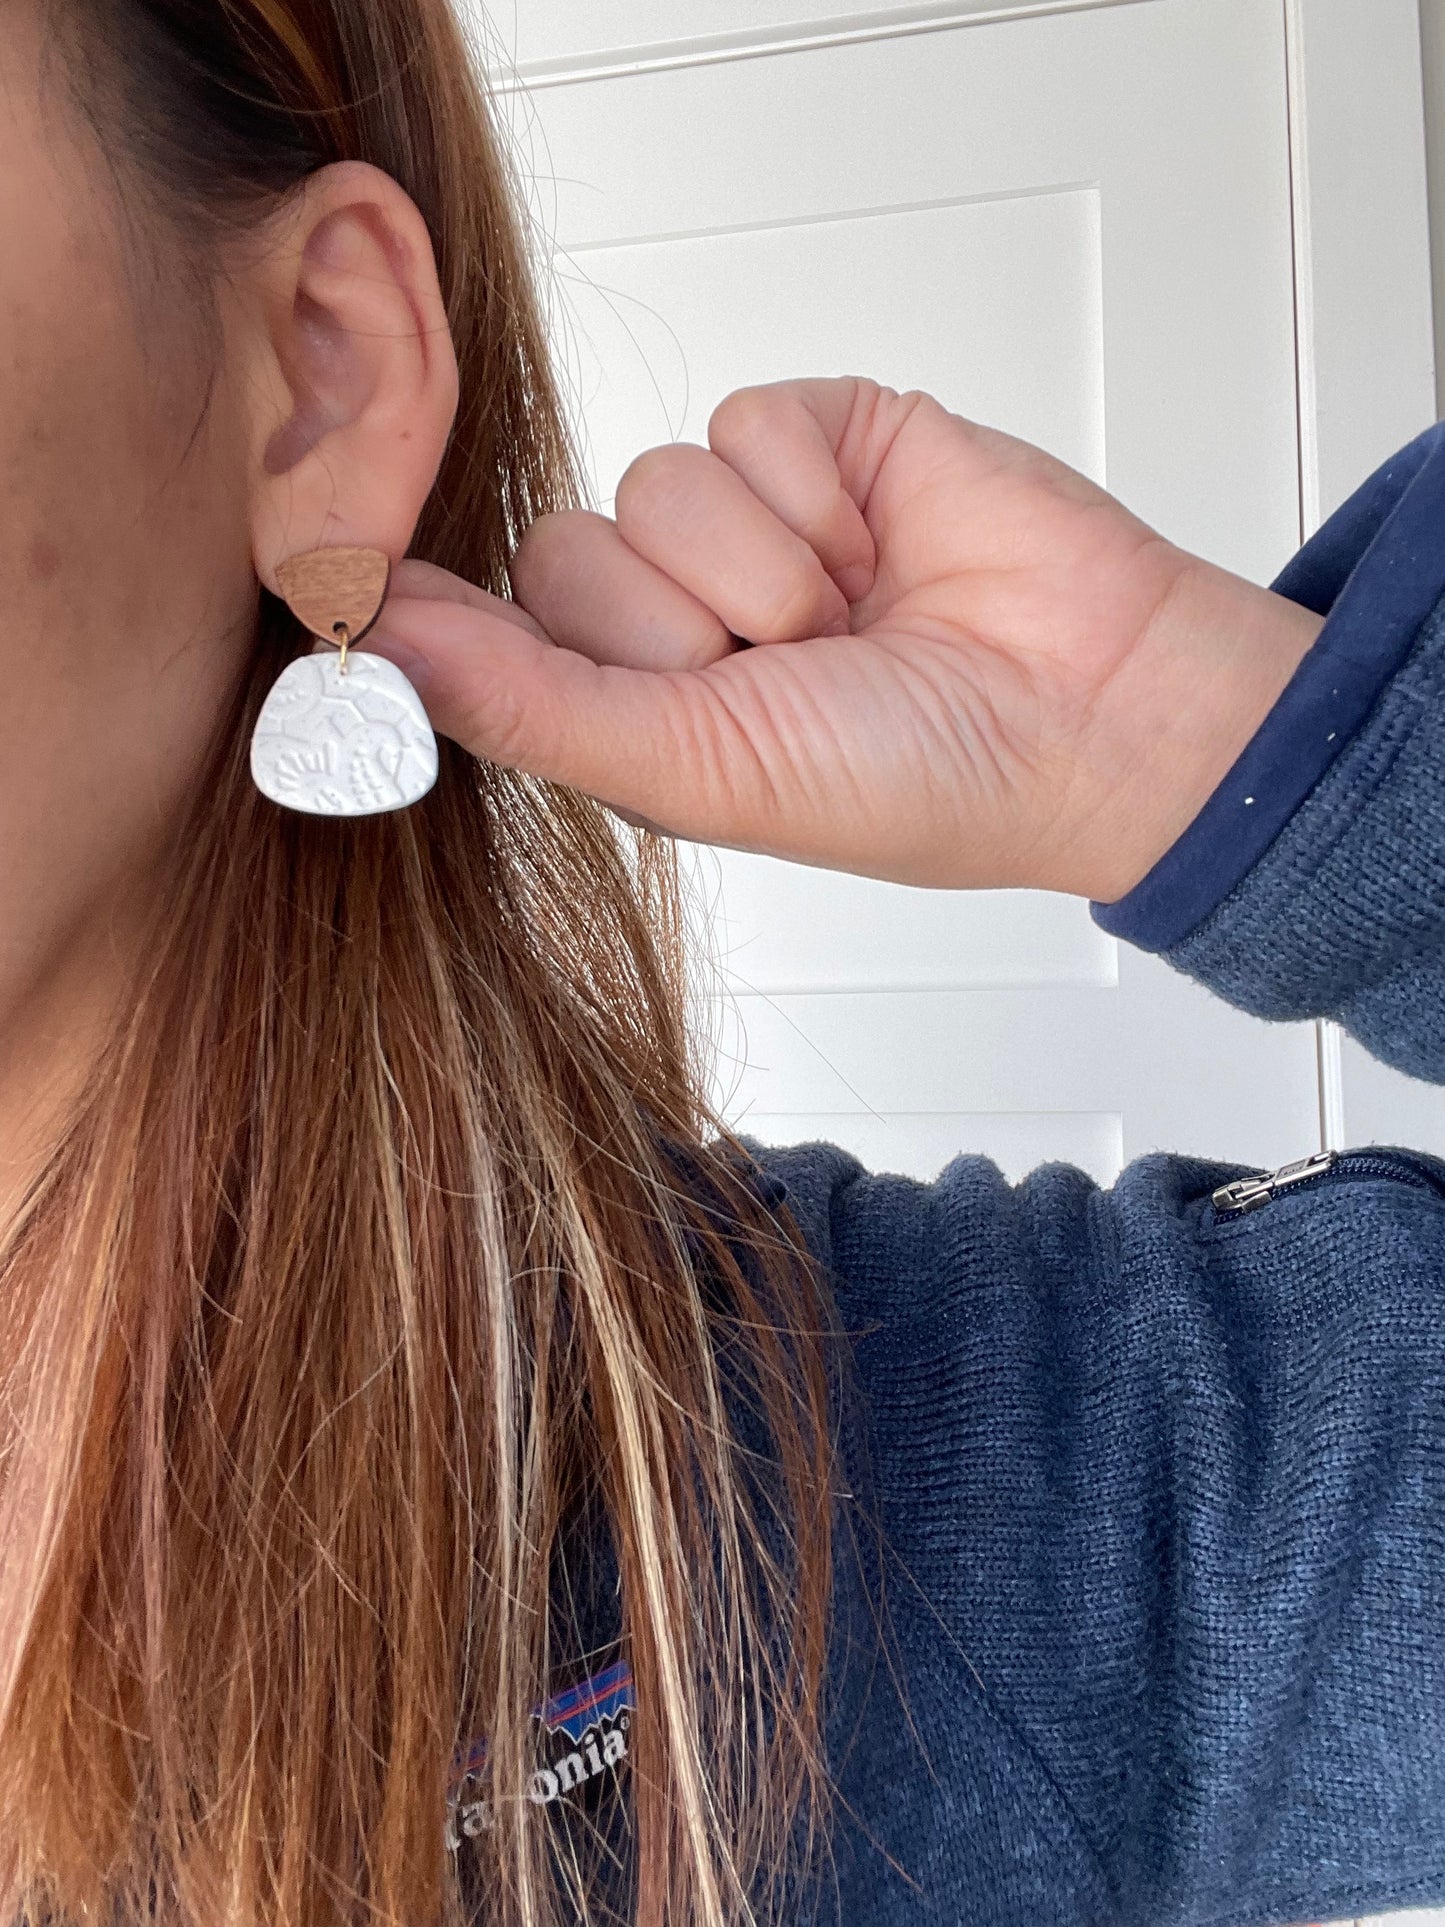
[(1074, 222), (1076, 226)]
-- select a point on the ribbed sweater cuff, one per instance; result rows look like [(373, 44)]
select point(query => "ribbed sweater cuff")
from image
[(1344, 916), (1375, 570)]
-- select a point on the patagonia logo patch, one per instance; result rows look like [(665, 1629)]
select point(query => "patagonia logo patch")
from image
[(584, 1741)]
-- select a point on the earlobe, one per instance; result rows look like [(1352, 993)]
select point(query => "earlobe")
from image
[(353, 420)]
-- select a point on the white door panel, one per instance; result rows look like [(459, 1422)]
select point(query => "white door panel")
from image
[(995, 306), (1173, 111), (777, 928), (538, 41), (1153, 1053), (1076, 227), (1382, 1106)]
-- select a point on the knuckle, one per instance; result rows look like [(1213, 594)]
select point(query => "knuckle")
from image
[(651, 477), (543, 541), (546, 557), (740, 417)]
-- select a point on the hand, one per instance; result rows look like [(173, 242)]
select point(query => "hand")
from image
[(971, 667)]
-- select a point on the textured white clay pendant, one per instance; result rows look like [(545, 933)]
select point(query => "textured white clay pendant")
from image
[(351, 744), (342, 733)]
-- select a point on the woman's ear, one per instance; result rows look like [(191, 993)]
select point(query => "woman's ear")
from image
[(353, 384)]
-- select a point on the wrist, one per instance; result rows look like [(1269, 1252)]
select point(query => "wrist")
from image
[(1212, 664)]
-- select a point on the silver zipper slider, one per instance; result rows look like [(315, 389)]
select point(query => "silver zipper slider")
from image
[(1248, 1194)]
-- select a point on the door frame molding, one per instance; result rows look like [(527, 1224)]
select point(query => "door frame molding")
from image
[(753, 43), (1364, 308)]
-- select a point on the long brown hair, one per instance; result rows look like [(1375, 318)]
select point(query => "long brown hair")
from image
[(392, 1232)]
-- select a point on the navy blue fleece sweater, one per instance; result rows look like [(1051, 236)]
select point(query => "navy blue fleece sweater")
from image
[(1161, 1486)]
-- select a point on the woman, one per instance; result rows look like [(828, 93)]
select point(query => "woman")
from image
[(445, 1476)]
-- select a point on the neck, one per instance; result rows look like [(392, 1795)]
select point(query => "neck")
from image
[(60, 988), (91, 794)]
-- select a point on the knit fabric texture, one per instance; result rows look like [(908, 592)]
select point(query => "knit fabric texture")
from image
[(1346, 916)]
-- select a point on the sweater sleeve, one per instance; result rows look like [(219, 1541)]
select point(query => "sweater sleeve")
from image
[(1168, 1486), (1312, 883), (1165, 1500)]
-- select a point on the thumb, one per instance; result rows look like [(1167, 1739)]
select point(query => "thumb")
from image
[(646, 742)]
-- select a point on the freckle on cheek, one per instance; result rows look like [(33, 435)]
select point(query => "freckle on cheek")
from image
[(42, 559)]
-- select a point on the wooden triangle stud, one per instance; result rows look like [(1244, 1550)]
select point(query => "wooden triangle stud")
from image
[(328, 587)]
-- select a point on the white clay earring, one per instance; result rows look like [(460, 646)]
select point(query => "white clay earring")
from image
[(341, 735)]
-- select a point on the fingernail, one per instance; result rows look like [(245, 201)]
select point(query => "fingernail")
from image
[(855, 581), (839, 626)]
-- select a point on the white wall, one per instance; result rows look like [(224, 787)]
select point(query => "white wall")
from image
[(1432, 36)]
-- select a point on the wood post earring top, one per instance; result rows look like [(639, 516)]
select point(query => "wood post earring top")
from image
[(336, 593), (341, 735)]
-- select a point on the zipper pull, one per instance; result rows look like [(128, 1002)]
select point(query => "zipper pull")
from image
[(1248, 1194)]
